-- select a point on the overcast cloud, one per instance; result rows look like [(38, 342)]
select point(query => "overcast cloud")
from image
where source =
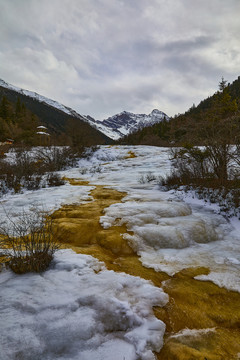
[(101, 57)]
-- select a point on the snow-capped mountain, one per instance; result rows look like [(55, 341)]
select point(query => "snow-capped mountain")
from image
[(126, 122), (43, 99), (113, 127), (58, 118)]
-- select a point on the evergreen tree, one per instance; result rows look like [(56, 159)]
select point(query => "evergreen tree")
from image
[(4, 113), (216, 130), (218, 134), (18, 108), (23, 109), (222, 84)]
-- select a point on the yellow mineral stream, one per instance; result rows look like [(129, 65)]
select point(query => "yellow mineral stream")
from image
[(130, 155), (213, 312)]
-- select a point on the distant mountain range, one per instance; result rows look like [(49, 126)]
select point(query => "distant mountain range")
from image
[(124, 123), (64, 124), (55, 115), (184, 128)]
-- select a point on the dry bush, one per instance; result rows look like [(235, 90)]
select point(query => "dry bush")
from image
[(54, 158), (28, 169), (34, 168), (54, 179), (28, 245), (147, 178)]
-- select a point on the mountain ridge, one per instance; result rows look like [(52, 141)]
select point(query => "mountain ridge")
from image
[(126, 122), (42, 99), (184, 128), (61, 121), (114, 127)]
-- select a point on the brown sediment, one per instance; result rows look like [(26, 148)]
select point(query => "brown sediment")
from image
[(2, 261), (130, 155), (198, 305), (78, 226), (192, 304), (76, 181)]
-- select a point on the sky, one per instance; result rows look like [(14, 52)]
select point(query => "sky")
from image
[(101, 57)]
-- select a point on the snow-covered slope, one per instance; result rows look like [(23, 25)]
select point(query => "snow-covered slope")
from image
[(40, 98), (45, 100), (114, 127), (125, 122)]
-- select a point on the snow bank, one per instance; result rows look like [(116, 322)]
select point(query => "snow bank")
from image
[(192, 333), (79, 310), (169, 234), (121, 172), (12, 207), (161, 224)]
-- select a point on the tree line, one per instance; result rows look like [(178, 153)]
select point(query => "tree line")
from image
[(184, 128), (17, 122)]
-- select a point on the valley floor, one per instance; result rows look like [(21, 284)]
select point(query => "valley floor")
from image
[(143, 275)]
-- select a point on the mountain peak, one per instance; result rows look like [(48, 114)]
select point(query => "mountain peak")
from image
[(156, 111), (57, 117), (114, 127), (3, 83), (125, 122)]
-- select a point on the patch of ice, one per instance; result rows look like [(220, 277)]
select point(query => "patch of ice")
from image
[(192, 332), (228, 279)]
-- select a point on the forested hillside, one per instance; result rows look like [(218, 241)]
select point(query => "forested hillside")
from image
[(20, 115), (184, 128), (17, 122)]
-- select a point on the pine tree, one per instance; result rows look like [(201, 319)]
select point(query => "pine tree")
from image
[(4, 108), (18, 108), (23, 109), (217, 130), (222, 84), (218, 135)]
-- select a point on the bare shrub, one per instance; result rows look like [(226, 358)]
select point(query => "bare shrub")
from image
[(141, 179), (33, 183), (172, 180), (192, 162), (149, 177), (95, 169), (20, 173), (83, 171), (28, 166), (54, 179), (54, 158), (28, 245)]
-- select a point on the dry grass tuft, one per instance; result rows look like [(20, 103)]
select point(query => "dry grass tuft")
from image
[(28, 245)]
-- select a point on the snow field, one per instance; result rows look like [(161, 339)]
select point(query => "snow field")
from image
[(170, 236), (13, 207), (79, 310), (160, 224), (170, 233)]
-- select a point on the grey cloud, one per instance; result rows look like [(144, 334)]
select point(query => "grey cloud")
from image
[(193, 44), (104, 56)]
